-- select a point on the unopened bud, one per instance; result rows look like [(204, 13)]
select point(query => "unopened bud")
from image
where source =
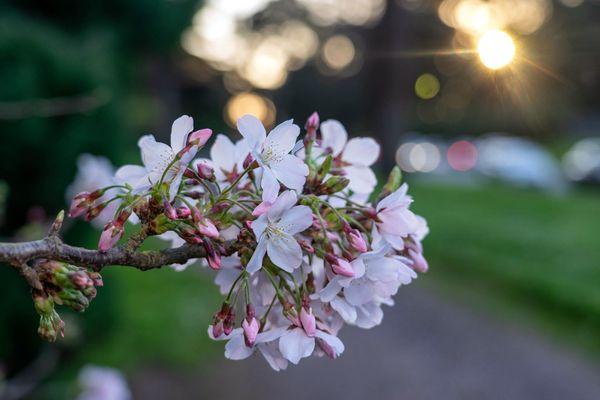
[(312, 123), (183, 212), (419, 263), (327, 349), (229, 322), (200, 137), (251, 327), (333, 185), (212, 256), (190, 174), (248, 161), (340, 266), (205, 171), (204, 225), (306, 246), (262, 208), (82, 202), (393, 183), (170, 211), (309, 323), (355, 238), (111, 234), (95, 211)]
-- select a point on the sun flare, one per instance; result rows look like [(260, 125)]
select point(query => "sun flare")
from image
[(496, 49)]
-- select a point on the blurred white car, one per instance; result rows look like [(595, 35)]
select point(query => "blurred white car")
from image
[(582, 162), (519, 161)]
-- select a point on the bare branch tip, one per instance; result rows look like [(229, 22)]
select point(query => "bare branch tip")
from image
[(57, 224)]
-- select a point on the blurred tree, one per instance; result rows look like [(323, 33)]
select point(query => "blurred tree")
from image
[(77, 76)]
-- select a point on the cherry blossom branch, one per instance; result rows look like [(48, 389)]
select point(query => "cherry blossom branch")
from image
[(53, 248)]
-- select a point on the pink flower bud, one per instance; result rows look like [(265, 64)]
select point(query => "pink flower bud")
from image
[(340, 266), (80, 204), (204, 225), (95, 211), (419, 262), (312, 123), (262, 208), (309, 323), (81, 280), (205, 171), (170, 211), (110, 236), (97, 279), (250, 327), (248, 161), (183, 212), (327, 349), (213, 258), (229, 322), (200, 137), (217, 329), (355, 238), (306, 246), (207, 228)]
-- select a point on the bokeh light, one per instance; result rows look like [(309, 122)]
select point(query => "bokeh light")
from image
[(424, 157), (427, 86), (462, 155), (250, 103), (418, 157), (338, 52), (496, 49)]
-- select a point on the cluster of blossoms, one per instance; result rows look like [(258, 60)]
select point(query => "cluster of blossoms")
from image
[(62, 284), (300, 243)]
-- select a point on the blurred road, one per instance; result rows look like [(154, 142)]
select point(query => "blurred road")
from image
[(426, 348)]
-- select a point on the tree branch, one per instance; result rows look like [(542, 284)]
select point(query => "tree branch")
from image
[(53, 248)]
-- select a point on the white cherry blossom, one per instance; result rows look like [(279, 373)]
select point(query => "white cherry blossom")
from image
[(275, 232), (355, 156), (272, 152), (396, 221), (236, 348), (296, 344), (157, 156)]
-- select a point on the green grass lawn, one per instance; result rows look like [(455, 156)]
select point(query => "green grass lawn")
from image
[(524, 253)]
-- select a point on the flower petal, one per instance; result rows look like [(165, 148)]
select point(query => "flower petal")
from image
[(362, 179), (236, 349), (296, 220), (270, 335), (291, 171), (179, 132), (134, 175), (395, 198), (256, 260), (284, 202), (335, 343), (384, 269), (222, 153), (285, 252), (271, 353), (252, 130), (295, 345), (269, 185), (259, 225), (361, 151), (155, 155), (334, 136), (361, 291), (282, 138), (346, 311)]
